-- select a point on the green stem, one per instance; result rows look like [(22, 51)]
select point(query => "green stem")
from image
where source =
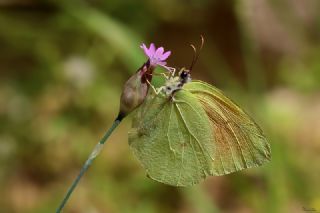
[(95, 152)]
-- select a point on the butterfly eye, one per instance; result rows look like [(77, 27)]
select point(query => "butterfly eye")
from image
[(184, 74)]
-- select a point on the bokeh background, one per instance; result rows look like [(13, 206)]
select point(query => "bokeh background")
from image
[(62, 67)]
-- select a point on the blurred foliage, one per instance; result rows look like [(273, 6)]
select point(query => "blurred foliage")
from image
[(62, 67)]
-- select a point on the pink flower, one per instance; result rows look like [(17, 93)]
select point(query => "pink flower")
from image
[(156, 56)]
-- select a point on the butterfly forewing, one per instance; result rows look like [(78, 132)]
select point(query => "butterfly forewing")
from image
[(173, 140), (239, 142)]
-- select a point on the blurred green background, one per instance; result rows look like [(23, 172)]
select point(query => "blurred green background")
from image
[(62, 68)]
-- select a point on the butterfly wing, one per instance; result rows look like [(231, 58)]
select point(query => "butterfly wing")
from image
[(239, 142), (173, 139)]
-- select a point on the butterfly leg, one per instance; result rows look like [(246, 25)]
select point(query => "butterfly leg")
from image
[(171, 97), (166, 77), (153, 88), (158, 90), (163, 74), (172, 70)]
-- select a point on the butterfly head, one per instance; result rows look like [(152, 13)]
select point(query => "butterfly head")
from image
[(184, 75)]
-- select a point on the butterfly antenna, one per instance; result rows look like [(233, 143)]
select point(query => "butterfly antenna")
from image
[(196, 54)]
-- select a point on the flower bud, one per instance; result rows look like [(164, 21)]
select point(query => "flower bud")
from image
[(135, 90)]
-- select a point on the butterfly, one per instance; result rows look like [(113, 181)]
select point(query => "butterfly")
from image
[(188, 129), (185, 130)]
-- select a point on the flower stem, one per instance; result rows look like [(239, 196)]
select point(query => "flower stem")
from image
[(95, 152)]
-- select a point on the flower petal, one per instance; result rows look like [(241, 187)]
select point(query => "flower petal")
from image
[(145, 49), (152, 49), (159, 53), (157, 56), (162, 63), (165, 55)]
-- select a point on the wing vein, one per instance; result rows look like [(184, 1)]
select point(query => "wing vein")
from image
[(185, 123)]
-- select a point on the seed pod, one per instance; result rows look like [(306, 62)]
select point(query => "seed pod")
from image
[(135, 90)]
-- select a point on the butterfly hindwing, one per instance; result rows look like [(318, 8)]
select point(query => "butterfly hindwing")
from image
[(239, 142), (201, 132), (173, 139)]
